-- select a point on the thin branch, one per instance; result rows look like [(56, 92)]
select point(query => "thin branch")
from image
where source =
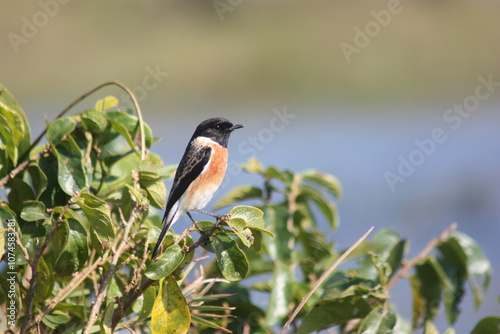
[(323, 278), (430, 246), (22, 166)]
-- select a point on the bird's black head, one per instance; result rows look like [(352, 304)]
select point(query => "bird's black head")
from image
[(218, 129)]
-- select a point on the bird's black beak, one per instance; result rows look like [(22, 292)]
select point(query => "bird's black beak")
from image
[(236, 126)]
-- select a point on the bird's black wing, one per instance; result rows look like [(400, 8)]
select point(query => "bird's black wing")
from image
[(192, 163)]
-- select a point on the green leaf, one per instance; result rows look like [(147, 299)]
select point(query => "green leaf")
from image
[(44, 282), (253, 218), (71, 173), (427, 285), (239, 194), (327, 181), (475, 263), (379, 320), (326, 207), (38, 179), (384, 242), (238, 225), (55, 319), (74, 252), (155, 188), (33, 211), (430, 328), (488, 325), (170, 313), (166, 263), (19, 192), (102, 232), (21, 130), (231, 260), (58, 129), (145, 304), (107, 318), (276, 217), (94, 121), (129, 124), (281, 297), (106, 103)]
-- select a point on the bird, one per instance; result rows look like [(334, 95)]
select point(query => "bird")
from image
[(199, 173)]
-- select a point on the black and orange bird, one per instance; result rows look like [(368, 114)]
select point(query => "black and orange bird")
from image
[(199, 173)]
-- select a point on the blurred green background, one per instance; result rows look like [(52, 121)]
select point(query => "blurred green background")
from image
[(353, 116)]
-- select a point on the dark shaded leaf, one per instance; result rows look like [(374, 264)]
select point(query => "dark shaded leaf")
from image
[(231, 260), (74, 251), (488, 325), (44, 282), (102, 232), (55, 319), (427, 285), (165, 264), (38, 179)]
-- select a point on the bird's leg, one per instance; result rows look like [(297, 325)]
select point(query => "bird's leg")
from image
[(208, 213), (194, 222)]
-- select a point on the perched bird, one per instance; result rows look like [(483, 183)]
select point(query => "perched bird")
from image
[(199, 173)]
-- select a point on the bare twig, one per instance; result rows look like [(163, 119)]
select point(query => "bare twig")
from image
[(430, 246), (323, 278)]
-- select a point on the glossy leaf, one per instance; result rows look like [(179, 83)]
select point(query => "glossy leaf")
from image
[(170, 313), (379, 320), (239, 194), (165, 264), (231, 260), (252, 216), (33, 211), (155, 188), (60, 128), (74, 251), (102, 232), (238, 226), (71, 174)]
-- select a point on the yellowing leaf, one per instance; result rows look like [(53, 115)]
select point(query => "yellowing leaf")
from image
[(170, 313)]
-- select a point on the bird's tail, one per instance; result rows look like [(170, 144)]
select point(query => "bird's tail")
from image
[(166, 225)]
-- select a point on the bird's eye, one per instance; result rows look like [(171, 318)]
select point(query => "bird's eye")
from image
[(218, 127)]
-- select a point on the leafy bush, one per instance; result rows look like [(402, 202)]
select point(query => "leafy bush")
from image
[(77, 229)]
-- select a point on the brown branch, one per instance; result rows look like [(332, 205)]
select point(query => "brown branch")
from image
[(12, 174), (430, 246)]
